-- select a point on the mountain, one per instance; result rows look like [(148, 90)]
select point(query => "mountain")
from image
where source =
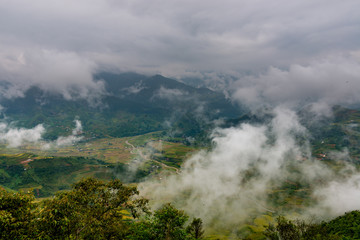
[(133, 104)]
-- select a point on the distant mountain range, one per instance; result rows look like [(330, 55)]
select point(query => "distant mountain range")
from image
[(133, 104)]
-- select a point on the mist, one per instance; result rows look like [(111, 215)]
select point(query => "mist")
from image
[(232, 181), (320, 84), (14, 137), (65, 73), (272, 57), (62, 141)]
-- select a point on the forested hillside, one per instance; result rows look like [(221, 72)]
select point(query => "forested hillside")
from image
[(131, 104)]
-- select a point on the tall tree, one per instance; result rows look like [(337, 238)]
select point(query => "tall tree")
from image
[(195, 229), (92, 210)]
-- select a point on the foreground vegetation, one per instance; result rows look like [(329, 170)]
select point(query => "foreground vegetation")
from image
[(92, 210), (343, 227)]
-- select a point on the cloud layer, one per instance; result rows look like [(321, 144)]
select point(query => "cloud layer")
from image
[(323, 82), (178, 37), (234, 180)]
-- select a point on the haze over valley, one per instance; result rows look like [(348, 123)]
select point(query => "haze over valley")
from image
[(239, 118)]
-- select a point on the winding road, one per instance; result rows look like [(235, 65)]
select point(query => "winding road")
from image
[(147, 158)]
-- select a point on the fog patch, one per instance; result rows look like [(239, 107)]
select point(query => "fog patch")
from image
[(216, 185), (63, 72), (135, 89), (320, 84), (338, 197), (234, 180), (170, 94), (16, 137), (63, 141)]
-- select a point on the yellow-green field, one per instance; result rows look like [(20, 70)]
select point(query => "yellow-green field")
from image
[(112, 150)]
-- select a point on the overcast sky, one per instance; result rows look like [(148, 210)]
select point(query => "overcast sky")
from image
[(58, 43)]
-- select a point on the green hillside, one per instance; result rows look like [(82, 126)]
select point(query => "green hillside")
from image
[(132, 105), (48, 171)]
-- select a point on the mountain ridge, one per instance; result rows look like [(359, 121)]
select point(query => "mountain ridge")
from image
[(133, 104)]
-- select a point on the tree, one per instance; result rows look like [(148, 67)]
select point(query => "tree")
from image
[(167, 223), (16, 216), (195, 229), (93, 209), (298, 229)]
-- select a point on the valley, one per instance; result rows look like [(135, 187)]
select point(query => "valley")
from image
[(131, 159), (188, 146)]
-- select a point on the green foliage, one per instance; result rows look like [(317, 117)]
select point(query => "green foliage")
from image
[(46, 174), (287, 229), (120, 113), (169, 223), (93, 209), (16, 215), (347, 225), (166, 223), (339, 228), (110, 210), (196, 228)]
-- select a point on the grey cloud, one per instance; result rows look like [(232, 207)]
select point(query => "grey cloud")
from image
[(322, 83), (64, 72), (174, 37), (171, 94), (268, 45), (134, 89)]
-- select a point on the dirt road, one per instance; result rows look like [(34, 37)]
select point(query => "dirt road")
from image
[(147, 158)]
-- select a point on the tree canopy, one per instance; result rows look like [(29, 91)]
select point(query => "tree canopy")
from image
[(91, 210)]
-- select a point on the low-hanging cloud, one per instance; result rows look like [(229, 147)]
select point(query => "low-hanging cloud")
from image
[(15, 137), (338, 197), (171, 94), (227, 184), (61, 72), (134, 89), (322, 84), (73, 138)]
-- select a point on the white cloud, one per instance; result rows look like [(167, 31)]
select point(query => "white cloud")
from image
[(173, 37), (15, 137), (63, 141), (134, 89), (323, 83), (224, 185), (338, 197), (64, 72), (171, 94), (71, 139)]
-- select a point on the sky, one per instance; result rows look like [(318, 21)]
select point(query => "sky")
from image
[(288, 45)]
